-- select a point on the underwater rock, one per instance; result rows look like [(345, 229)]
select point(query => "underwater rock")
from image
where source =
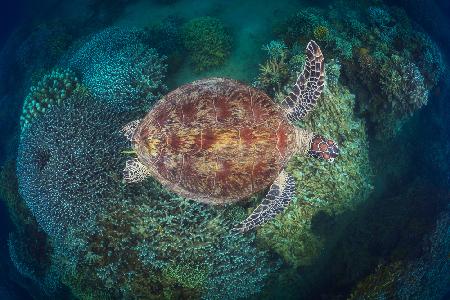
[(66, 161), (207, 41), (118, 67)]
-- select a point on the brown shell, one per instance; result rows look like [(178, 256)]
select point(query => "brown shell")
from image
[(215, 141)]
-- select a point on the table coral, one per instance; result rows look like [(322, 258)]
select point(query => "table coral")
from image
[(66, 159), (118, 67)]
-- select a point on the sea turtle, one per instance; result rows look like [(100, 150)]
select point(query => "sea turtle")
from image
[(219, 141)]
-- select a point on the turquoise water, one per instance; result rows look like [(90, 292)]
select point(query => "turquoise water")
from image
[(372, 224)]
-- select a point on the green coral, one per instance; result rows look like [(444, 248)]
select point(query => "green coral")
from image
[(188, 276), (207, 41), (51, 89), (322, 186)]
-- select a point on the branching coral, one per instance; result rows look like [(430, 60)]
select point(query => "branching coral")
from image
[(274, 73), (390, 63), (118, 67), (51, 89), (152, 244), (66, 161), (208, 42)]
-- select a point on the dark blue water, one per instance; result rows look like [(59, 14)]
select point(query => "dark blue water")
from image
[(376, 229)]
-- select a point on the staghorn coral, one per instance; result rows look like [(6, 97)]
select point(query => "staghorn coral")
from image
[(323, 187), (118, 67), (66, 161), (152, 244), (207, 41), (50, 90)]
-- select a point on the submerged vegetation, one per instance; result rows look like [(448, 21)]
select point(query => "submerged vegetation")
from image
[(79, 230)]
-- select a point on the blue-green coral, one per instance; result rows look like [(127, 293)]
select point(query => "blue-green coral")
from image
[(67, 159), (117, 65), (51, 89), (153, 244), (207, 41)]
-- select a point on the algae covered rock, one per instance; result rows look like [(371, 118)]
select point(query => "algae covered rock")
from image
[(389, 62)]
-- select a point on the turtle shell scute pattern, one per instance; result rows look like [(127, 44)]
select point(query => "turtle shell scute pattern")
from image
[(215, 141)]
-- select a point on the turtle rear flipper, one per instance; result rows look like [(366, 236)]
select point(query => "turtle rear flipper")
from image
[(308, 87), (276, 200), (128, 130), (135, 171)]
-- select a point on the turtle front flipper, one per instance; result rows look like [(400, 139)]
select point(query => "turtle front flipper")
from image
[(276, 200), (135, 171), (129, 129), (309, 85)]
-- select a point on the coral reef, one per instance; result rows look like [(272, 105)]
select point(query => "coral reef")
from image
[(321, 186), (29, 248), (207, 41), (50, 90), (389, 63), (166, 38), (425, 277), (66, 159), (153, 244), (118, 67)]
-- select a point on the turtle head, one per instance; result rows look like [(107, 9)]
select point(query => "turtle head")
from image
[(323, 148)]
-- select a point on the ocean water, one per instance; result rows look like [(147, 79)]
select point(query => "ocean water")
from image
[(372, 224)]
